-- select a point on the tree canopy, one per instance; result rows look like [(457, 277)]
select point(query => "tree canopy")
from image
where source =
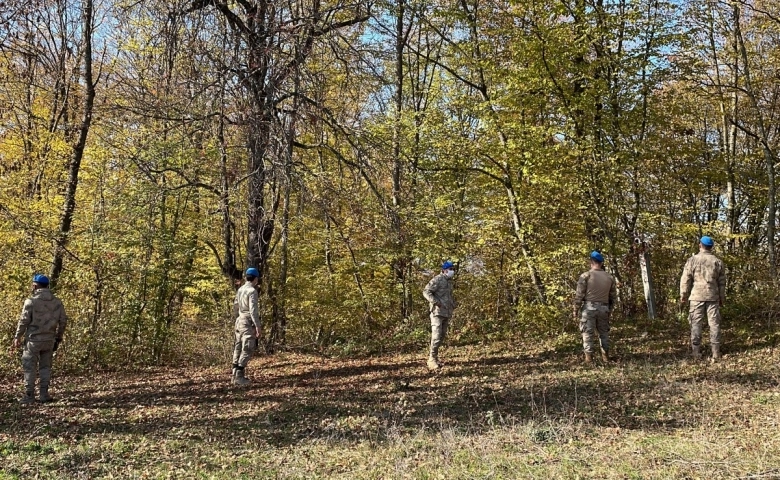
[(151, 151)]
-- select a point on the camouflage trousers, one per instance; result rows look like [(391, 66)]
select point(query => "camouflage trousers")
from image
[(439, 326), (595, 318), (244, 345), (36, 361), (697, 311)]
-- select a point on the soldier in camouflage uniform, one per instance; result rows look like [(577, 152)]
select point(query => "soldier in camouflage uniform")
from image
[(703, 283), (248, 326), (41, 325), (593, 304), (438, 292)]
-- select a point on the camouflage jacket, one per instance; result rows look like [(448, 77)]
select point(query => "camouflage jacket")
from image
[(439, 291), (245, 307), (43, 317), (596, 286), (703, 278)]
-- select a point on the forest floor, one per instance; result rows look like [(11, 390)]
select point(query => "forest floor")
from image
[(504, 410)]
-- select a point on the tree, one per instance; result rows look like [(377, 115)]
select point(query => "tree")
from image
[(79, 144), (276, 40)]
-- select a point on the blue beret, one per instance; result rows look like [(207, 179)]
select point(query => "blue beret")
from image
[(252, 272), (41, 279), (707, 241), (447, 265), (597, 256)]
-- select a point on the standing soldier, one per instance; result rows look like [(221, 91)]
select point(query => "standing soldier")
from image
[(703, 283), (596, 291), (42, 325), (438, 292), (248, 327)]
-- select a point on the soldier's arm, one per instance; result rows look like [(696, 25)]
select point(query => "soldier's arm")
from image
[(24, 320), (254, 311), (722, 283), (582, 289), (430, 290), (612, 295), (686, 280)]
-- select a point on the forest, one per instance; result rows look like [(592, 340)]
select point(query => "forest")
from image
[(151, 151)]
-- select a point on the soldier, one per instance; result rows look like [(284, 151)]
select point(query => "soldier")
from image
[(248, 327), (703, 283), (438, 292), (596, 290), (42, 325)]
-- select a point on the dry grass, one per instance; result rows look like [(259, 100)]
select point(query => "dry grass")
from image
[(496, 411)]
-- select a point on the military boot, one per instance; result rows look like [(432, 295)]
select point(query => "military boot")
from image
[(696, 352), (28, 397), (29, 387), (604, 355), (715, 354), (433, 363), (240, 379), (588, 357), (44, 396)]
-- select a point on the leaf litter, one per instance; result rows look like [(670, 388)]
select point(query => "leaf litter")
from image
[(496, 405)]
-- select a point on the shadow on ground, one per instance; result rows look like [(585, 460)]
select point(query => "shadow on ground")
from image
[(297, 397)]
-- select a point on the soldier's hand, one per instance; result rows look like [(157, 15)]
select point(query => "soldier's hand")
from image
[(17, 343), (682, 300)]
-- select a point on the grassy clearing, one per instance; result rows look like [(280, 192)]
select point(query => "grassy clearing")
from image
[(496, 411)]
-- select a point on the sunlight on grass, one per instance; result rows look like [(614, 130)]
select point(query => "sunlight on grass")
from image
[(496, 411)]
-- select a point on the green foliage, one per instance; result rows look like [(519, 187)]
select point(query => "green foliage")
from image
[(516, 139)]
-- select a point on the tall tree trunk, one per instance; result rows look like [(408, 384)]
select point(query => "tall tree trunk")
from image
[(276, 43), (401, 262), (524, 248), (769, 157), (514, 207), (260, 222), (228, 266), (278, 333), (74, 167), (727, 104)]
